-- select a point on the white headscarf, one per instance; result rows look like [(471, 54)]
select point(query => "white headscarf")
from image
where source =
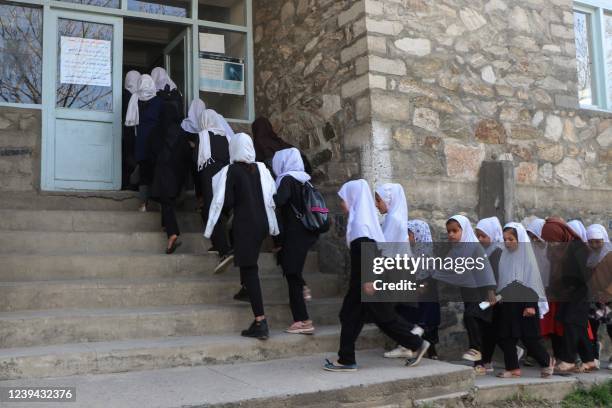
[(423, 245), (131, 81), (192, 122), (466, 247), (161, 78), (241, 150), (578, 227), (362, 219), (493, 229), (598, 231), (536, 226), (540, 249), (229, 132), (521, 266), (467, 233), (210, 121), (145, 92), (288, 162)]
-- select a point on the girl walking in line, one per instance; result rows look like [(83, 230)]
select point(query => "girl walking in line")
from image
[(246, 188), (144, 111), (476, 284), (426, 314), (363, 227), (294, 240), (568, 315), (489, 233), (522, 291), (128, 136)]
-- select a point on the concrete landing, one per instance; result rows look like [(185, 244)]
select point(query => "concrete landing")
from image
[(293, 382)]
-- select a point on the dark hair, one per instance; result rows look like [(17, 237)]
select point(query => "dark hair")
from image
[(453, 220), (511, 230)]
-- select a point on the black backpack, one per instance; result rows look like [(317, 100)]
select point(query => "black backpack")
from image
[(315, 217)]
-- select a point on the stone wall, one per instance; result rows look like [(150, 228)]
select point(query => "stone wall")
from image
[(20, 136), (305, 83), (456, 82)]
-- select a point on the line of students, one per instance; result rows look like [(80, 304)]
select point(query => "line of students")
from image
[(512, 273)]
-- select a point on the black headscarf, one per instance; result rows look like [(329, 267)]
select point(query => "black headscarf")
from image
[(266, 141)]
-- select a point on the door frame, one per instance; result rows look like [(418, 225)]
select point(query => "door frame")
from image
[(185, 36), (50, 67)]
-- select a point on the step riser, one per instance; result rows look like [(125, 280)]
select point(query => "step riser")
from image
[(15, 268), (125, 295), (231, 319), (389, 394), (93, 221), (138, 360), (54, 243)]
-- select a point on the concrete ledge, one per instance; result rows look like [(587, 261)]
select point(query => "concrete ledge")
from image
[(291, 382), (138, 355)]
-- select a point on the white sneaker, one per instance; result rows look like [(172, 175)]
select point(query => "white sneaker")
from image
[(399, 352), (519, 353), (417, 331), (472, 355)]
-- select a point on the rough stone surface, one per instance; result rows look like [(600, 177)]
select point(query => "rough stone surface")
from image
[(463, 161)]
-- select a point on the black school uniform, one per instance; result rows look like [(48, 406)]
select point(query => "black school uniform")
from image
[(219, 149), (511, 325), (489, 328), (243, 196), (354, 314), (171, 157), (295, 241)]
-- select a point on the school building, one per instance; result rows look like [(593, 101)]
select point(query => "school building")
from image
[(476, 106)]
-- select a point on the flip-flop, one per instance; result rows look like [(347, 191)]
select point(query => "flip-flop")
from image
[(508, 374), (172, 249)]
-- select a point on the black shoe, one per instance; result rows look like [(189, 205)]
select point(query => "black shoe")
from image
[(242, 295), (224, 263), (258, 330), (213, 250)]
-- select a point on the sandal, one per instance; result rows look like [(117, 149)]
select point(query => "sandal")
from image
[(480, 370), (509, 374), (548, 371), (565, 369), (175, 244)]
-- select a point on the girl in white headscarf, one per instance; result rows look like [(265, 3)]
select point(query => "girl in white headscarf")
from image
[(540, 248), (144, 111), (599, 262), (391, 202), (128, 134), (295, 240), (476, 285), (213, 154), (363, 229), (489, 233), (246, 188), (578, 227), (162, 79), (523, 298)]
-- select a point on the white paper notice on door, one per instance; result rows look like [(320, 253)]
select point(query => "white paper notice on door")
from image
[(85, 61), (212, 43), (221, 76)]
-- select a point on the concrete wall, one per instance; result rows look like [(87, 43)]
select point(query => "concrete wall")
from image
[(20, 136)]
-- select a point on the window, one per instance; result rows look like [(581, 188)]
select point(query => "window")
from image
[(223, 71), (582, 28), (222, 11), (176, 8), (21, 54), (593, 35)]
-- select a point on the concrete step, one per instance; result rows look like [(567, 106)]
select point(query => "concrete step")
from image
[(453, 400), (107, 293), (289, 382), (61, 326), (30, 242), (489, 389), (137, 355), (93, 221), (19, 267), (87, 201)]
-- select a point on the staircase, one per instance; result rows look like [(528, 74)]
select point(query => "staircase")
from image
[(88, 291)]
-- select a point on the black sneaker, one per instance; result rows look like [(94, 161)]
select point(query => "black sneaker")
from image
[(258, 330), (242, 295), (224, 263)]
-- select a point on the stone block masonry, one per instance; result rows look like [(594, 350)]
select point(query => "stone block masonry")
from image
[(20, 135)]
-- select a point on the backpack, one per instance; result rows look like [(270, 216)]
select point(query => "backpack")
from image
[(316, 214)]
